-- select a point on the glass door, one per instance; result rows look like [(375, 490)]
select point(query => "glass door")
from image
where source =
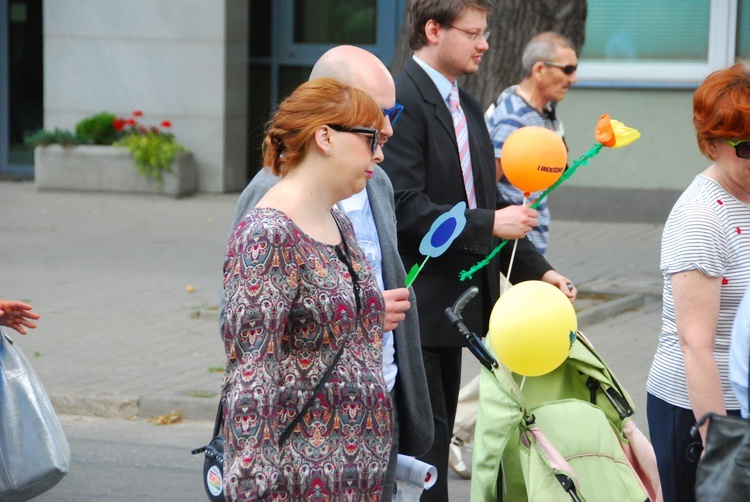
[(21, 84), (288, 36)]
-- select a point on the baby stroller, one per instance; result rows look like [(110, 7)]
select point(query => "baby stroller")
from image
[(567, 435)]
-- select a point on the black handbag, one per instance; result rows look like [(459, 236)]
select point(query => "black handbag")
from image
[(723, 473), (213, 463)]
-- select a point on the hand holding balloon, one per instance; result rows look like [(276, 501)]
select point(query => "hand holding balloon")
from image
[(514, 222), (532, 328)]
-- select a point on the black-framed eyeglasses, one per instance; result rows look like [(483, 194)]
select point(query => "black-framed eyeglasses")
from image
[(741, 148), (473, 35), (568, 69), (373, 133), (393, 113)]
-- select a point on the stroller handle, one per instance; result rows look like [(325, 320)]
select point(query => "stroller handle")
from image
[(475, 344), (465, 298)]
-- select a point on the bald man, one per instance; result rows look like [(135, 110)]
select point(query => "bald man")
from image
[(372, 212)]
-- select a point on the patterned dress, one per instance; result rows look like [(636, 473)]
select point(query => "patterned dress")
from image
[(290, 306)]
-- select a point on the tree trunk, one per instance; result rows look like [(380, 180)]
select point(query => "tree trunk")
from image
[(513, 24)]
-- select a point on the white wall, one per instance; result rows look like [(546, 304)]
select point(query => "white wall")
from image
[(181, 60), (666, 156)]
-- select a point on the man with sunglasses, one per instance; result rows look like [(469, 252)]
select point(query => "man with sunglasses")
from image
[(550, 63), (372, 214)]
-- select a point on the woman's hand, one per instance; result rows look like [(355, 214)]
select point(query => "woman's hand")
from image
[(17, 315)]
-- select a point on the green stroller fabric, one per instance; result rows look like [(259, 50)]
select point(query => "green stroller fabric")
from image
[(562, 428)]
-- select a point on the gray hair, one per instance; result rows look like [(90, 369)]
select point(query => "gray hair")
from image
[(542, 48)]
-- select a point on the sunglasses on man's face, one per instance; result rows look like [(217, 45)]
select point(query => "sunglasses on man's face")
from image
[(373, 133), (741, 148), (568, 69), (393, 113)]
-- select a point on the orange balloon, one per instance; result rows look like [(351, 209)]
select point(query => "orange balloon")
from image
[(533, 158)]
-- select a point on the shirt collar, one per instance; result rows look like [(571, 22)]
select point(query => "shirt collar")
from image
[(443, 84)]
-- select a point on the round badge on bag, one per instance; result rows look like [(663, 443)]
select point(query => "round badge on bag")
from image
[(214, 485)]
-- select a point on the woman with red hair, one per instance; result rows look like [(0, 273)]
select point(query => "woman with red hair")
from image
[(303, 307), (705, 260)]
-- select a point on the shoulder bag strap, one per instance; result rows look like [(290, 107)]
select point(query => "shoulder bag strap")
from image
[(326, 376)]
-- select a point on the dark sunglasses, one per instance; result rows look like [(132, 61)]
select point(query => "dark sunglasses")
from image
[(393, 113), (568, 69), (741, 148), (373, 133)]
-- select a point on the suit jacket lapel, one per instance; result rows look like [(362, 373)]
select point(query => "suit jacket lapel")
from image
[(430, 94)]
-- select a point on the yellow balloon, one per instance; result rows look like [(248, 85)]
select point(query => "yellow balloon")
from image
[(532, 328)]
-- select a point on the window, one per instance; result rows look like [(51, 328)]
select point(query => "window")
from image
[(335, 22), (663, 43), (743, 30)]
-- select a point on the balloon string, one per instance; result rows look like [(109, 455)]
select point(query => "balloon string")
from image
[(414, 277), (582, 160), (513, 254)]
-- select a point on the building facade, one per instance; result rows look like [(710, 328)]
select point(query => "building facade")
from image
[(215, 69)]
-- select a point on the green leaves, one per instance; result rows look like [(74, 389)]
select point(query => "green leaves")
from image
[(153, 152)]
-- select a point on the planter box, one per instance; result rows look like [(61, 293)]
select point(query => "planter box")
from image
[(107, 169)]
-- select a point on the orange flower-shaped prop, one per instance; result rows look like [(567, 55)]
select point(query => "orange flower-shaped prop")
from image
[(609, 133), (613, 133)]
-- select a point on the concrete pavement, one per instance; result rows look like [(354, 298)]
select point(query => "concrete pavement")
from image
[(121, 336)]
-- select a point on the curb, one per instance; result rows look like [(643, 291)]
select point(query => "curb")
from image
[(123, 406), (605, 310)]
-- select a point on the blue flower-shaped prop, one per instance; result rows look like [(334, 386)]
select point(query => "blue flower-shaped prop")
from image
[(443, 232)]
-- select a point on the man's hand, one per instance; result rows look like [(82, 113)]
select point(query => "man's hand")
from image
[(562, 283), (396, 304), (514, 222)]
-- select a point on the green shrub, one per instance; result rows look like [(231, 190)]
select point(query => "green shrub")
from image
[(153, 148), (153, 152), (56, 136), (98, 129)]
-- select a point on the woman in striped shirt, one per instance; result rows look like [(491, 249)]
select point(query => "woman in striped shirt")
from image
[(705, 259)]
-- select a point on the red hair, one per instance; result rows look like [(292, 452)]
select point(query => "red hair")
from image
[(316, 103), (721, 106)]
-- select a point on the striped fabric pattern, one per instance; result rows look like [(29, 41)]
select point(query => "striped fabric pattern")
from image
[(462, 139), (708, 230)]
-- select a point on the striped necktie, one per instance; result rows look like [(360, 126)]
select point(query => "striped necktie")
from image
[(462, 139)]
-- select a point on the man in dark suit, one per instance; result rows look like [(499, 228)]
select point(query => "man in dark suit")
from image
[(373, 216), (427, 162)]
